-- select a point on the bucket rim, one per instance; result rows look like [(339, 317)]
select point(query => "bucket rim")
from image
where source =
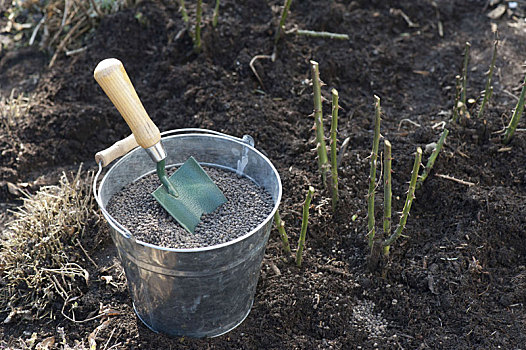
[(192, 133)]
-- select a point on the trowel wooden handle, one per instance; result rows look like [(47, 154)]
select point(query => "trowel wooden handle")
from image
[(118, 149), (112, 77)]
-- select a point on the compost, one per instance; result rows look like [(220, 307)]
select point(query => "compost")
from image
[(247, 206)]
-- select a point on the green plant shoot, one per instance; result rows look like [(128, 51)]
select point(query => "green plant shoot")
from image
[(280, 224), (184, 14), (407, 206), (388, 194), (216, 14), (304, 224), (198, 15), (282, 20), (323, 162), (432, 158), (463, 93), (458, 87), (372, 173), (334, 156), (517, 113), (488, 88)]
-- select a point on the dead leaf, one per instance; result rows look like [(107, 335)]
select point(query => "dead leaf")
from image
[(497, 12), (46, 344), (13, 189)]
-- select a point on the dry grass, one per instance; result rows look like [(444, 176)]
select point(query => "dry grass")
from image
[(12, 109), (40, 249), (58, 25)]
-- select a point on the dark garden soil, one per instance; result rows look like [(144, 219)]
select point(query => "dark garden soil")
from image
[(458, 278)]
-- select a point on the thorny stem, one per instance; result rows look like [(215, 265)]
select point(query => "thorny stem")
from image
[(280, 224), (388, 194), (304, 224), (284, 15), (198, 13), (216, 14), (432, 158), (408, 201), (488, 87), (334, 156), (372, 173), (183, 11), (464, 79), (458, 87), (318, 119), (517, 113)]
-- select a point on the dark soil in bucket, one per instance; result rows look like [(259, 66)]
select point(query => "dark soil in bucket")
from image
[(247, 206), (457, 280)]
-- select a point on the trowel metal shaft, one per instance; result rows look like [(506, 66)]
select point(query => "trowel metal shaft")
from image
[(161, 173)]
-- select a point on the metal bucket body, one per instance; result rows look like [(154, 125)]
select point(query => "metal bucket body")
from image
[(198, 292)]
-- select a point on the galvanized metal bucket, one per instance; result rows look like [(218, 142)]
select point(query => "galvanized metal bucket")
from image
[(199, 292)]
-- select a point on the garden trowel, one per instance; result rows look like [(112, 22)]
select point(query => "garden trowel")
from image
[(189, 192)]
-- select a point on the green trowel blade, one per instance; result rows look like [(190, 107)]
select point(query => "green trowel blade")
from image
[(197, 194)]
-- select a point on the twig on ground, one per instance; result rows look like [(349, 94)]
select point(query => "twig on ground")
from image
[(77, 242), (102, 314), (408, 121), (462, 182), (510, 94), (316, 34), (304, 224), (76, 51), (251, 64), (96, 8), (399, 12), (440, 26), (62, 23), (64, 41), (35, 31), (109, 338)]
